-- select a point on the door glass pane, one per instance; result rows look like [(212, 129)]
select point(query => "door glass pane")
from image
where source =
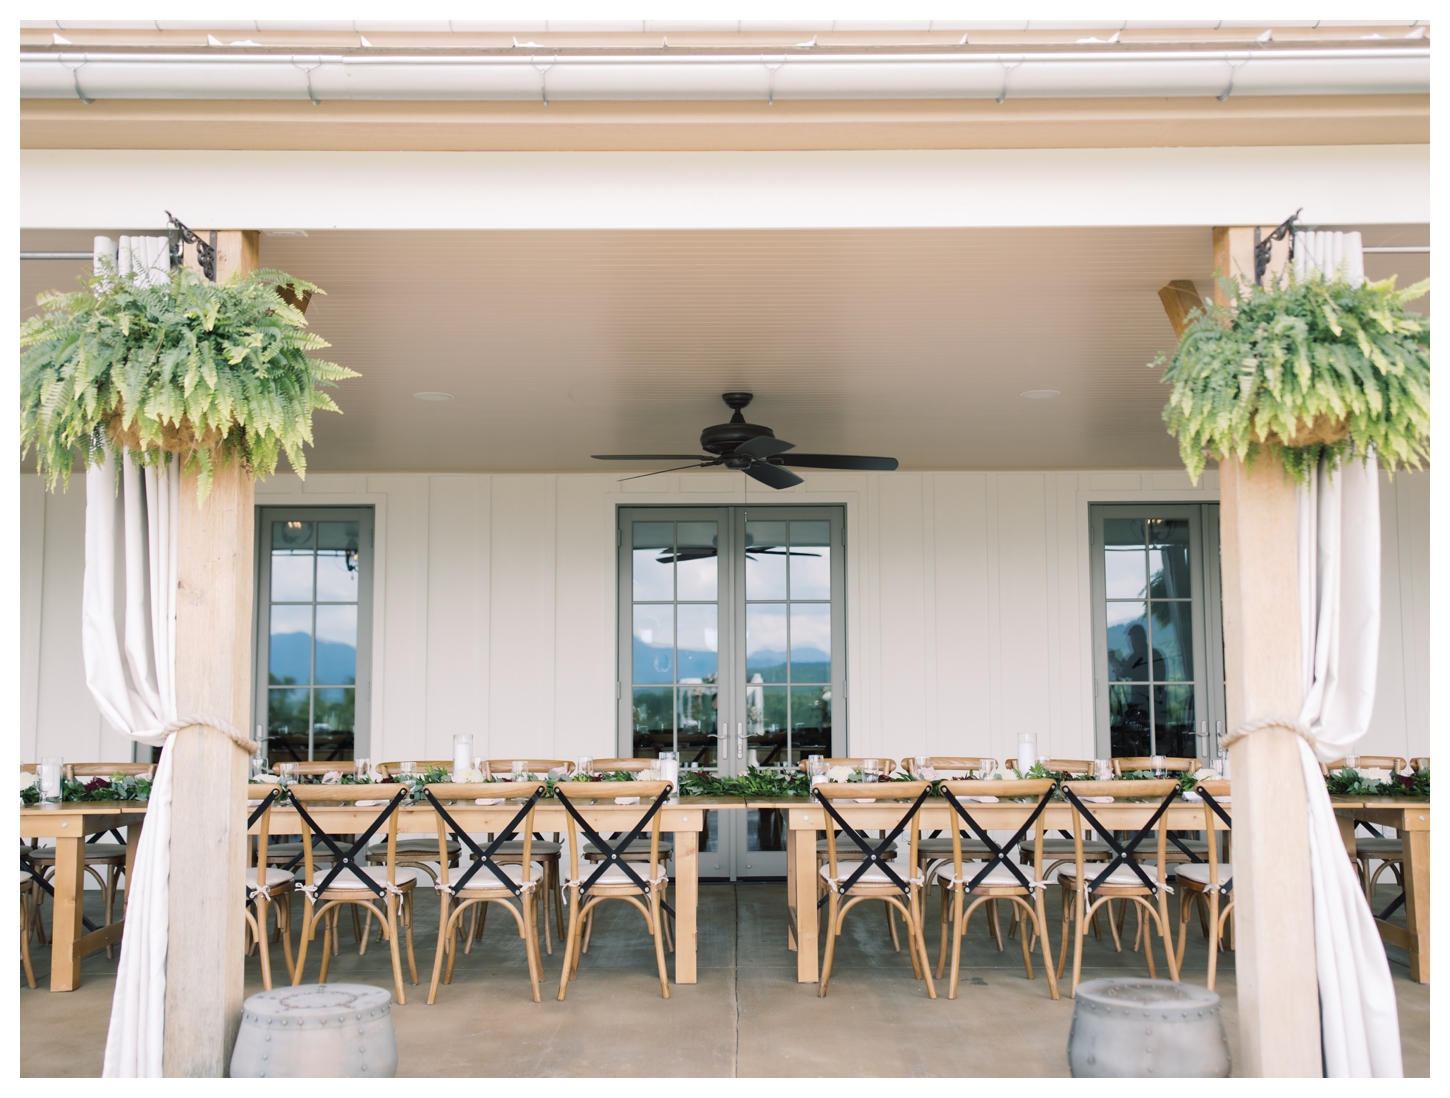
[(699, 713), (1127, 642), (765, 641), (654, 717), (337, 561), (699, 645), (810, 722), (1172, 642), (289, 652), (332, 723), (1130, 720), (1168, 576), (292, 534), (336, 644), (654, 567), (1124, 558), (810, 560), (765, 559), (810, 642), (767, 719), (1174, 723), (287, 719), (698, 569), (654, 644)]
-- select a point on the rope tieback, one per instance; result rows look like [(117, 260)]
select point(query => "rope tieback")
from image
[(1301, 730), (221, 724)]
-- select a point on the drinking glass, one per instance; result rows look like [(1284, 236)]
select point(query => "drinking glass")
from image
[(51, 770), (585, 765), (520, 770), (1159, 765), (871, 769), (989, 767), (481, 765), (360, 768), (1218, 768), (288, 774), (919, 765), (1222, 767), (1103, 770), (256, 767), (816, 769), (1351, 762)]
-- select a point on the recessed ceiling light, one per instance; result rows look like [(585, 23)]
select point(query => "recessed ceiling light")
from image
[(1040, 394), (433, 396)]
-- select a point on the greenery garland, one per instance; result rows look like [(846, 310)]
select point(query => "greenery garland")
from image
[(210, 372), (1317, 367)]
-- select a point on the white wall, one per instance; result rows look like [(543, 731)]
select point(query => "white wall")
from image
[(495, 607)]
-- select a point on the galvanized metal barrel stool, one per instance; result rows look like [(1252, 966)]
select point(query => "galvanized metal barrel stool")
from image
[(1146, 1029), (317, 1031)]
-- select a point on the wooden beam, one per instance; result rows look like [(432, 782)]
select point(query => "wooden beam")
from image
[(208, 814), (1179, 297), (1278, 991)]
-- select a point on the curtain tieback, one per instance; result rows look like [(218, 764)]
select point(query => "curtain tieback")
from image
[(221, 724), (1303, 731)]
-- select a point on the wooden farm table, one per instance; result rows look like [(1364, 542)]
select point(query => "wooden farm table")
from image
[(685, 818), (1411, 818), (807, 819), (69, 824)]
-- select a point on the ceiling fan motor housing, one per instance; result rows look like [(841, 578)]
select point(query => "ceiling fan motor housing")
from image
[(723, 438)]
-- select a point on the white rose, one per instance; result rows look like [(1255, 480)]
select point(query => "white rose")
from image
[(473, 776), (1200, 775), (28, 779), (268, 779), (839, 774), (332, 777), (1407, 772)]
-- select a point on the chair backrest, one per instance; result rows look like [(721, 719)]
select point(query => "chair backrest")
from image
[(501, 768), (1060, 766), (393, 769), (1164, 790), (1372, 762), (1176, 765), (315, 769), (630, 766), (971, 763), (1035, 791), (1422, 762), (457, 812), (887, 765), (596, 801), (903, 794), (1212, 821), (30, 768), (107, 770), (333, 811)]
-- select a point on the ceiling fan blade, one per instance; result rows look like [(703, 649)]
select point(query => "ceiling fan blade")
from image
[(650, 457), (837, 461), (763, 446), (772, 475), (676, 555), (676, 469)]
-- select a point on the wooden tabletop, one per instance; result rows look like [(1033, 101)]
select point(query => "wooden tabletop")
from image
[(62, 821)]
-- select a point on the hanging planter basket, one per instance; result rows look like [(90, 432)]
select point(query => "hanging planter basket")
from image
[(1312, 369), (187, 370)]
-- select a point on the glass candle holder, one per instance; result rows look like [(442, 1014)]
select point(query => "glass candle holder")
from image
[(1026, 751), (462, 755), (51, 772)]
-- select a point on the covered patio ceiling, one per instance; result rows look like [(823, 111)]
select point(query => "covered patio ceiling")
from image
[(914, 343)]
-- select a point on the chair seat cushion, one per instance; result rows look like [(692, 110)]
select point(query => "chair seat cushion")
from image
[(1000, 875), (541, 848), (414, 846), (613, 875), (1197, 872), (484, 879), (641, 843), (943, 846), (348, 881), (1057, 848), (1122, 875), (1379, 848), (275, 876), (291, 850), (94, 852), (846, 846), (873, 875)]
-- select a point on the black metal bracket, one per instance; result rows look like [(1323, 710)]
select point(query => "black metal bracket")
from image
[(205, 250), (874, 854), (1264, 248)]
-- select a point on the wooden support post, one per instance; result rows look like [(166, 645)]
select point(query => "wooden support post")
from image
[(1278, 991), (208, 814)]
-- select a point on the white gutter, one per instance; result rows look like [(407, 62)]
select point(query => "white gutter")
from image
[(551, 76)]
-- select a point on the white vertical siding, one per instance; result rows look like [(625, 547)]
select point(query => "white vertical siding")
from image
[(494, 607)]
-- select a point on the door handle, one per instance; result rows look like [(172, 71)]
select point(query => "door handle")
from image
[(740, 741)]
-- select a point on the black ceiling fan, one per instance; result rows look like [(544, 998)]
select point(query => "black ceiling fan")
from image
[(754, 450)]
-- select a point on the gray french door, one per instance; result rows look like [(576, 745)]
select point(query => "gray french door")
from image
[(1158, 675), (313, 632), (732, 652)]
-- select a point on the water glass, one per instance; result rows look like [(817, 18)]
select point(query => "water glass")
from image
[(816, 769), (51, 771), (288, 773), (481, 765), (520, 770), (585, 765), (256, 767), (1103, 770), (1218, 765), (1159, 765), (919, 765), (360, 768), (871, 770), (1351, 762)]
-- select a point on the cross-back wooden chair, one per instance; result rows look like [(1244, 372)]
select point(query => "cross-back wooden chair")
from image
[(1369, 762), (314, 769), (269, 887), (488, 879), (1209, 883), (546, 850), (1387, 850), (1421, 762), (857, 868), (615, 877), (632, 766), (1084, 890), (1171, 763), (326, 811), (27, 892), (995, 876), (934, 851)]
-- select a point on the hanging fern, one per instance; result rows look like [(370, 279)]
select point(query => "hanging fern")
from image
[(212, 373), (1316, 368)]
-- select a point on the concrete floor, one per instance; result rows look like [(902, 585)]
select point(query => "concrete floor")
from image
[(747, 1016)]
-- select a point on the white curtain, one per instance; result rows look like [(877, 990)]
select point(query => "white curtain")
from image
[(128, 639), (1339, 611)]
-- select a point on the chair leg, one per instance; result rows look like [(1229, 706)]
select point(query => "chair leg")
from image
[(1187, 901), (108, 894), (659, 937), (445, 911), (307, 931), (995, 924), (917, 932), (1068, 902), (1148, 942), (392, 909), (571, 938), (283, 910), (329, 941), (941, 953), (407, 903), (531, 940), (588, 931), (1040, 917), (25, 939), (1162, 919), (1026, 949), (1213, 940), (262, 946), (1077, 941), (956, 940), (833, 901), (891, 924)]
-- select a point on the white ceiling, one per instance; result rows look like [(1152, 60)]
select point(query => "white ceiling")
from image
[(909, 343)]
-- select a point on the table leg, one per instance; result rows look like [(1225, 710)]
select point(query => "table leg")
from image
[(791, 900), (807, 959), (66, 929), (133, 844), (687, 903), (1346, 832), (1417, 901)]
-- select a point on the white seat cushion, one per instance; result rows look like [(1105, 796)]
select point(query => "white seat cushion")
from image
[(276, 875), (874, 875), (1197, 872), (379, 873), (484, 878), (1000, 874), (613, 875), (1122, 875)]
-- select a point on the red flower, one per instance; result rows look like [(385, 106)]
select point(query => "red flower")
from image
[(97, 783)]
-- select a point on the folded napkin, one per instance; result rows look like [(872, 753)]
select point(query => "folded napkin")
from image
[(983, 799), (488, 800), (370, 804), (626, 800), (865, 800), (1097, 800)]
